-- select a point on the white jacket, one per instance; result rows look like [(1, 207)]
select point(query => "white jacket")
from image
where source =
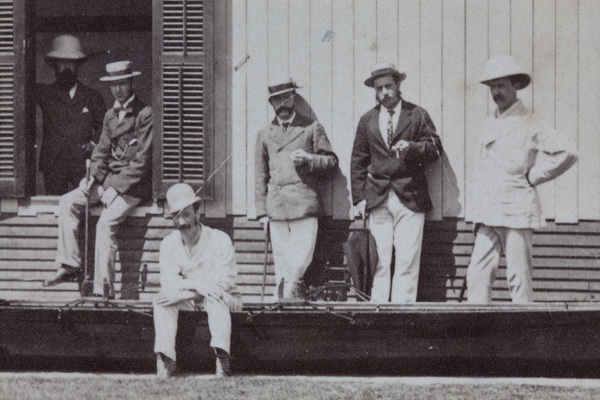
[(517, 152)]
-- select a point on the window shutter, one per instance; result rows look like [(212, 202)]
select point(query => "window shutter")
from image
[(182, 111), (15, 148)]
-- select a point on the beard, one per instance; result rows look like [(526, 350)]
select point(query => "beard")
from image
[(498, 98), (389, 100), (66, 78)]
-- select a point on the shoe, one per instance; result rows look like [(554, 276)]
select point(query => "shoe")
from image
[(165, 367), (65, 273), (101, 296), (223, 370)]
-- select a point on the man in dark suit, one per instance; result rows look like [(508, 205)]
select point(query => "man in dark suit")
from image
[(394, 143), (121, 177), (72, 118)]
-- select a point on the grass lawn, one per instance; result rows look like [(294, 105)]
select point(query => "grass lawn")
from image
[(89, 386)]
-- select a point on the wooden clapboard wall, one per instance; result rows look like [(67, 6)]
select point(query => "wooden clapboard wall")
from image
[(328, 46), (565, 259)]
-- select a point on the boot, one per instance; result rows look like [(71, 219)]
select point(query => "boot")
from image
[(223, 369), (65, 273), (165, 367)]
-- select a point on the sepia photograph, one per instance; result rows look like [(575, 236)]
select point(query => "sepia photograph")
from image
[(310, 199)]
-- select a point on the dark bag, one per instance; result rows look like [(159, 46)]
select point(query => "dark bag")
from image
[(361, 257)]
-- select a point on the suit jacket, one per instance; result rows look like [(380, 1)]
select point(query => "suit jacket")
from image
[(123, 157), (68, 123), (375, 170), (284, 191)]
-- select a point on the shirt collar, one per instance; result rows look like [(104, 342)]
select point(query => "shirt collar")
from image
[(396, 109), (289, 120), (124, 105), (73, 90), (515, 110)]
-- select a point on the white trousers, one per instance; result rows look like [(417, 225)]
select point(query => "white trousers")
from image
[(219, 324), (393, 225), (293, 247), (489, 242), (71, 210)]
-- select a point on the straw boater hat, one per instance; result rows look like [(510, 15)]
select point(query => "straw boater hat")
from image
[(281, 86), (382, 69), (504, 66), (180, 196), (66, 47), (119, 70)]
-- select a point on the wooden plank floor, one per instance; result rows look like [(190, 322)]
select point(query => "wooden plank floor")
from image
[(566, 258)]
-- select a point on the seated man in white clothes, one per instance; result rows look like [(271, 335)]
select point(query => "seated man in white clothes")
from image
[(197, 269)]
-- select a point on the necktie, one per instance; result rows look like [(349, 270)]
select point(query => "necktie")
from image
[(285, 125), (124, 109), (390, 128)]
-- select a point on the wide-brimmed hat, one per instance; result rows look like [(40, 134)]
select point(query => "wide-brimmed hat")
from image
[(66, 47), (180, 196), (119, 70), (382, 69), (281, 86), (504, 66)]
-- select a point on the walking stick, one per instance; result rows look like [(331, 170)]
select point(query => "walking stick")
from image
[(86, 279), (264, 277), (367, 268), (462, 290)]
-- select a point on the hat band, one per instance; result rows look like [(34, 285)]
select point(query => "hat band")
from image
[(283, 86), (383, 71), (120, 72)]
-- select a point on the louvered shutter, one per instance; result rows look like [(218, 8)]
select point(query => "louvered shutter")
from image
[(182, 77), (16, 150)]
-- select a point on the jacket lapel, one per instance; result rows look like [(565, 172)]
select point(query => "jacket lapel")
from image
[(282, 138)]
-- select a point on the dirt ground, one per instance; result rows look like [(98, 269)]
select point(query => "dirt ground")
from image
[(40, 386)]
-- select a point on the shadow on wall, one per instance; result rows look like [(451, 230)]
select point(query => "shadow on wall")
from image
[(332, 233), (437, 277)]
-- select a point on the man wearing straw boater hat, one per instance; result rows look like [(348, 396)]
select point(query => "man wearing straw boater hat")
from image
[(120, 178), (394, 143), (506, 207), (72, 116), (197, 269), (293, 159)]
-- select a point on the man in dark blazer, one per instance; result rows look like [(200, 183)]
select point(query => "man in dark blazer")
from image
[(72, 118), (394, 142), (121, 177)]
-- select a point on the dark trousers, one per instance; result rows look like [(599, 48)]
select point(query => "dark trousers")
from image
[(63, 175)]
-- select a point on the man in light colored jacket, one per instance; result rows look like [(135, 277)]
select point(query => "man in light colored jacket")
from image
[(293, 159), (506, 206), (197, 269), (120, 178)]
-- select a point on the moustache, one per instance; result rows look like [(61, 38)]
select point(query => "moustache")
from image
[(183, 227), (283, 108), (498, 97)]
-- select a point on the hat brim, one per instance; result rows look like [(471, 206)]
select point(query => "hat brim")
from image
[(280, 92), (521, 81), (52, 58), (398, 75), (171, 213), (119, 77)]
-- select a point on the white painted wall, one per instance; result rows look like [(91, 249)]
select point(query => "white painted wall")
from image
[(328, 46)]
